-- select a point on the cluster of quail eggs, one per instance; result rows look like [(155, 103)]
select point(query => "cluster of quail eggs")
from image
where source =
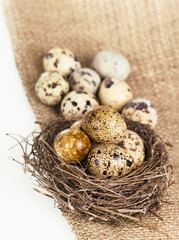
[(98, 99)]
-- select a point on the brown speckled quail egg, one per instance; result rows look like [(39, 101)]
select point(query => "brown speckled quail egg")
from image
[(104, 124), (62, 60), (141, 110), (76, 103), (109, 160), (72, 145), (115, 93), (85, 79), (111, 64), (51, 87), (134, 145)]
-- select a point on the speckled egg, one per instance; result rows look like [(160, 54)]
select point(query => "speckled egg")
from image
[(72, 145), (111, 64), (61, 60), (109, 160), (85, 79), (134, 145), (51, 87), (76, 103), (115, 93), (141, 110), (104, 124)]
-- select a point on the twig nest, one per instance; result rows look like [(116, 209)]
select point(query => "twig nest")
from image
[(62, 60), (115, 93), (104, 124), (111, 64), (51, 87), (72, 145), (76, 103), (141, 110), (73, 187), (85, 79)]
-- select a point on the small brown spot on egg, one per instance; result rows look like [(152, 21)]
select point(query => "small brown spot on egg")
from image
[(62, 95), (116, 156), (93, 82), (71, 69), (96, 161), (54, 85), (108, 83), (84, 111), (76, 59), (95, 127), (130, 105), (88, 103), (137, 143), (121, 144), (56, 63), (128, 163), (74, 103), (105, 172), (49, 55)]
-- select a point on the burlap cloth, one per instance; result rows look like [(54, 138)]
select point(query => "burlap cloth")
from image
[(146, 32)]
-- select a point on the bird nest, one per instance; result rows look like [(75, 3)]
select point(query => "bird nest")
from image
[(140, 191)]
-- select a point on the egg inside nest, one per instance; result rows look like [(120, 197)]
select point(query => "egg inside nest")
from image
[(114, 160)]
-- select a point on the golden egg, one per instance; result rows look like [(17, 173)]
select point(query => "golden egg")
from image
[(72, 145)]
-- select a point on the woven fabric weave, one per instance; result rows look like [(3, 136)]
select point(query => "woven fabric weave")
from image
[(146, 32)]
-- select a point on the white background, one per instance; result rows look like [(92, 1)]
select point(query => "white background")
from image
[(24, 213)]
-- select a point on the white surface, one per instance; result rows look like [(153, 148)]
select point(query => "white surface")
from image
[(24, 213)]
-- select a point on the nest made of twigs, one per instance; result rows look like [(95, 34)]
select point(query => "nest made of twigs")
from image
[(106, 199)]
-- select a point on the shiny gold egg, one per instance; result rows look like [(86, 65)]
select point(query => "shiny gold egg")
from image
[(72, 145)]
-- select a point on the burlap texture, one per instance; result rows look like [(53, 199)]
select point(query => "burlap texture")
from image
[(145, 31)]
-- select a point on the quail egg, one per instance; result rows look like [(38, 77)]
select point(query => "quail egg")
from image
[(109, 160), (72, 145), (85, 79), (115, 93), (76, 103), (141, 110), (51, 87), (111, 64), (104, 124), (134, 145), (61, 60)]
